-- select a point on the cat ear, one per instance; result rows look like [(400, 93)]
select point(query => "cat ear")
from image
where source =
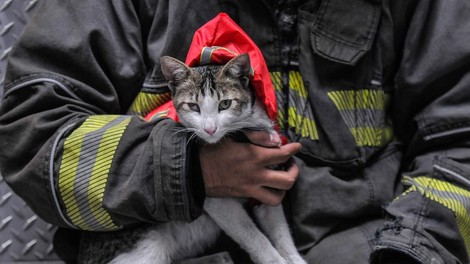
[(174, 71), (239, 67)]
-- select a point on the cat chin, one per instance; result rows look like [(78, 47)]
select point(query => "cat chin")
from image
[(209, 139)]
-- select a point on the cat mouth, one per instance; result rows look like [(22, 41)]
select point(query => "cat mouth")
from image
[(211, 139)]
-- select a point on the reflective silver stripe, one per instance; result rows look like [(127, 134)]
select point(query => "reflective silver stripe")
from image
[(459, 178), (159, 85), (456, 198), (39, 80), (86, 161), (447, 133), (85, 169), (51, 175), (206, 55)]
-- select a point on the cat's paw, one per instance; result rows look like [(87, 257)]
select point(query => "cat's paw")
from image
[(277, 261), (295, 259), (269, 258), (275, 138)]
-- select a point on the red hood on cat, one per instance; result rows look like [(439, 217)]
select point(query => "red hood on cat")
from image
[(217, 42)]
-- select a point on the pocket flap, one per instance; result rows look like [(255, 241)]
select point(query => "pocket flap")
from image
[(344, 31)]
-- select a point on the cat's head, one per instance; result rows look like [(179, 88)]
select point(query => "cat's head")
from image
[(211, 100)]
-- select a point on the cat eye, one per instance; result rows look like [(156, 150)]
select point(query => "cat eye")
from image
[(193, 107), (225, 104)]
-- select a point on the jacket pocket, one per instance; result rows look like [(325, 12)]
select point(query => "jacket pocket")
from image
[(343, 31), (347, 96)]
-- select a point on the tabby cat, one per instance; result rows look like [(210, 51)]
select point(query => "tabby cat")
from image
[(212, 102)]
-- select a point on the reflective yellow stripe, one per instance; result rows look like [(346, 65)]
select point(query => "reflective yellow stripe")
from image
[(296, 84), (362, 111), (305, 126), (367, 136), (360, 99), (68, 168), (276, 80), (100, 172), (146, 102), (280, 98), (299, 114), (86, 161), (453, 197)]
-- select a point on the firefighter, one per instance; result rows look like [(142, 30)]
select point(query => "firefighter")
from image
[(374, 91)]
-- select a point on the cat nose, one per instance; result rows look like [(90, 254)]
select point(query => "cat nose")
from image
[(210, 130)]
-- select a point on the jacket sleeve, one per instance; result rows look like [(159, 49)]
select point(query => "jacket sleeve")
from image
[(67, 146), (430, 220)]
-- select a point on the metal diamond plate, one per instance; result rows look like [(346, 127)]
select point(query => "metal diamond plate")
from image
[(24, 237)]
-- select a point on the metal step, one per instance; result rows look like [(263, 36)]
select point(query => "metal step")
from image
[(24, 237)]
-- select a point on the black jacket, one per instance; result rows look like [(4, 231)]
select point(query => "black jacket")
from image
[(376, 92)]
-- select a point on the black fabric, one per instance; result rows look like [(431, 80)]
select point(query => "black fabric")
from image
[(77, 59), (66, 244), (394, 257)]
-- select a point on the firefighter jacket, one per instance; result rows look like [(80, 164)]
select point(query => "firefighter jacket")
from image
[(376, 91)]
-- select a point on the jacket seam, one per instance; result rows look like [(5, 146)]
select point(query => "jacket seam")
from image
[(180, 181), (323, 33), (183, 175), (415, 240), (51, 175), (414, 252)]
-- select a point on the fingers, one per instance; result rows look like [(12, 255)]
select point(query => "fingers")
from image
[(233, 169), (276, 156), (283, 180), (276, 184)]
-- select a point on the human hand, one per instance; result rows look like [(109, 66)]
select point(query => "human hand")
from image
[(234, 169)]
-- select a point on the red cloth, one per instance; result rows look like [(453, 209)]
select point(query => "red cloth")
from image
[(223, 40)]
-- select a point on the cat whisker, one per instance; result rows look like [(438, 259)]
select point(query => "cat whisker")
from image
[(190, 131), (193, 136), (183, 130)]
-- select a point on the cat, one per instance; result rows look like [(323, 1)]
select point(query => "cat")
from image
[(214, 101)]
